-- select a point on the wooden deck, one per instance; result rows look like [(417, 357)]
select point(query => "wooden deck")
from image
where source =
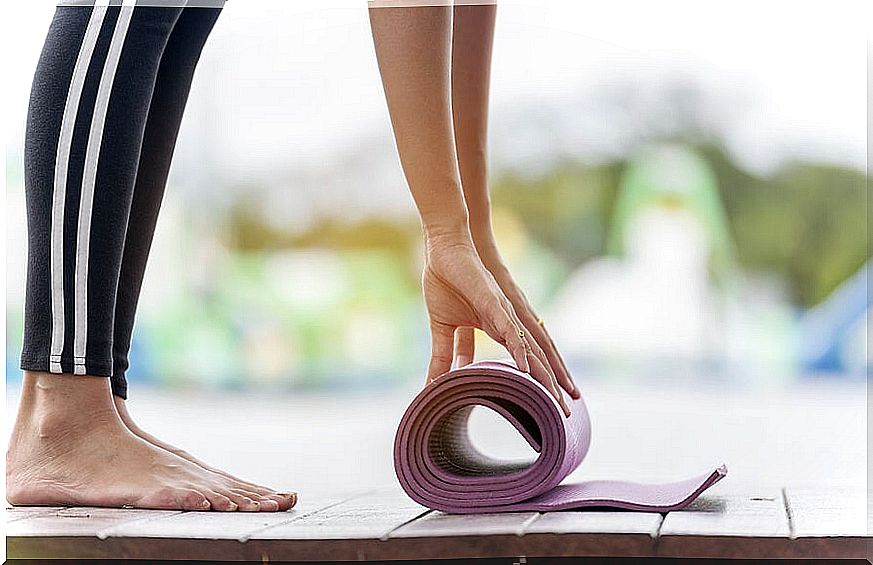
[(787, 448), (383, 524)]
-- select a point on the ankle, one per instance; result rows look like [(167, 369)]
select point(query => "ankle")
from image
[(53, 405)]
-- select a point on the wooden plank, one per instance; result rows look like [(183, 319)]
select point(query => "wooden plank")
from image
[(80, 521), (350, 531), (439, 524), (14, 513), (130, 540), (598, 533), (386, 525), (828, 522), (218, 525), (750, 526), (371, 516), (830, 512), (597, 522), (91, 548), (756, 515)]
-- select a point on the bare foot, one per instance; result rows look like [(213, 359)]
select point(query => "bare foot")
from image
[(252, 490), (70, 447)]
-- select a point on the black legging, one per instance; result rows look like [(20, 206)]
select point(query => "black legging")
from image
[(107, 101)]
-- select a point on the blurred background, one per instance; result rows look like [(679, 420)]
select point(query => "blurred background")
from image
[(676, 201), (679, 187)]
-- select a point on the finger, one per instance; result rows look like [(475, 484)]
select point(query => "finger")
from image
[(556, 362), (465, 346), (513, 340), (542, 375), (568, 381), (552, 385), (501, 329), (529, 338), (527, 315), (441, 350), (548, 375)]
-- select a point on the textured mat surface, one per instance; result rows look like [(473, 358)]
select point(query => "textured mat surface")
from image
[(438, 466)]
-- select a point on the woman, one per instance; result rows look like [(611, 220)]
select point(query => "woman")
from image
[(107, 100)]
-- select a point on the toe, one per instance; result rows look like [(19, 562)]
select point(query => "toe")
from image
[(285, 501), (243, 502), (268, 505), (170, 498), (289, 500), (267, 502), (189, 499), (221, 502)]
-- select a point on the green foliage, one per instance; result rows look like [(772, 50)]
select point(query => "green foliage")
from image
[(568, 210), (806, 223)]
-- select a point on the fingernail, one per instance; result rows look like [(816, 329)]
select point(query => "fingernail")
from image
[(234, 506), (204, 504), (287, 494)]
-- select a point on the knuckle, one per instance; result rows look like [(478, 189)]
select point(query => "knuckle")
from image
[(165, 497)]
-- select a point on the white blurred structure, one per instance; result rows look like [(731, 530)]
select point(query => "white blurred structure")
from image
[(655, 302), (669, 298)]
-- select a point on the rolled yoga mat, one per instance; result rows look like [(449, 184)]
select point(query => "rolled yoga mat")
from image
[(438, 466)]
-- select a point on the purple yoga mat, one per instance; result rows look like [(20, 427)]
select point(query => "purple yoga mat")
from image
[(438, 466)]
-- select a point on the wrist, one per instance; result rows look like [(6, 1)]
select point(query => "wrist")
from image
[(481, 230), (486, 245), (451, 233)]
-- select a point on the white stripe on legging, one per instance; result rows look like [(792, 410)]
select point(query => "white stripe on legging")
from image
[(59, 191), (89, 179), (151, 3)]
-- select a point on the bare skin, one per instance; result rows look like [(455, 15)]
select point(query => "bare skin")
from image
[(254, 491), (435, 68), (71, 445), (472, 42)]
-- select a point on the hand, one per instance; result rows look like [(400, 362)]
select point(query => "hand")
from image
[(460, 295), (490, 256)]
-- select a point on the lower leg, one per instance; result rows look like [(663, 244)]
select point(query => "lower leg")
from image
[(175, 75)]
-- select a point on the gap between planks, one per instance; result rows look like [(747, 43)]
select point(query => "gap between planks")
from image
[(788, 514), (387, 534), (246, 537), (241, 536)]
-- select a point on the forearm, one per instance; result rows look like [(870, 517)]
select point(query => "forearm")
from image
[(472, 39), (413, 47)]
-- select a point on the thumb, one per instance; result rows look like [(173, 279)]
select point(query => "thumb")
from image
[(441, 348), (465, 346)]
